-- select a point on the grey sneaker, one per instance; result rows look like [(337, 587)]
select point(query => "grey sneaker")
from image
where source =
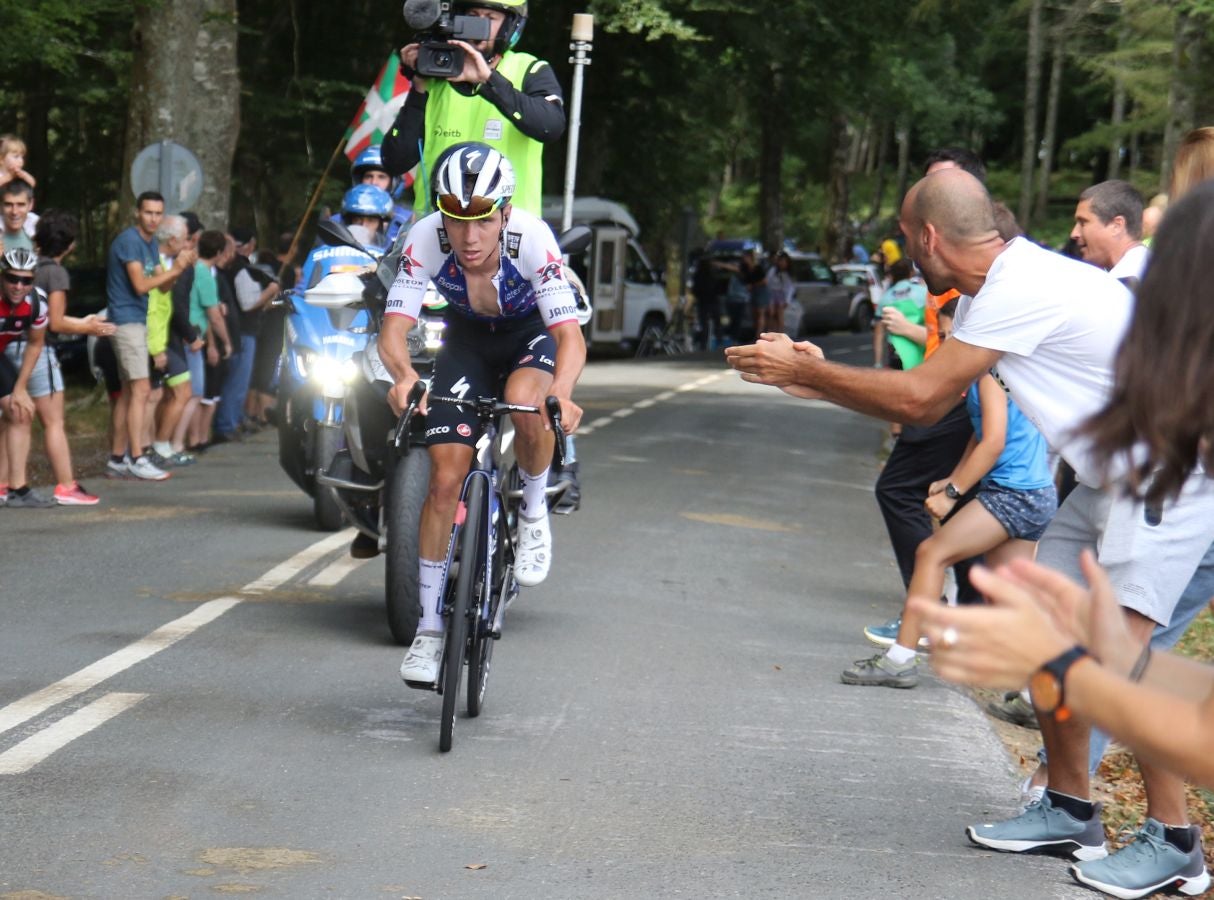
[(1014, 709), (1043, 827), (878, 670), (1146, 865), (118, 469), (143, 469), (31, 500)]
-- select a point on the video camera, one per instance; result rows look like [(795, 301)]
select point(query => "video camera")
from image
[(437, 57)]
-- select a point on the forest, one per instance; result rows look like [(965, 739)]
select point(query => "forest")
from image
[(802, 119)]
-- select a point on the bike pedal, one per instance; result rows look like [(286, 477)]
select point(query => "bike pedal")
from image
[(422, 685)]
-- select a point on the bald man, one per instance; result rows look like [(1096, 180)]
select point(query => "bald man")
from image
[(1048, 328)]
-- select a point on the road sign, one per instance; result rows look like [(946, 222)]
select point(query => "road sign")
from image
[(172, 170)]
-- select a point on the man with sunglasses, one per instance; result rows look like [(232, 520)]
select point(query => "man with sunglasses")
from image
[(23, 317), (511, 318)]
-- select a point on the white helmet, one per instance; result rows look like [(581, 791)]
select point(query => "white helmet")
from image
[(471, 181)]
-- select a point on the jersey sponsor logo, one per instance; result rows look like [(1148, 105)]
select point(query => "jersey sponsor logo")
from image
[(460, 388), (531, 344), (405, 281), (440, 132), (561, 311), (463, 430), (551, 270), (444, 243), (513, 240), (546, 361), (407, 262), (438, 429), (526, 359), (493, 130)]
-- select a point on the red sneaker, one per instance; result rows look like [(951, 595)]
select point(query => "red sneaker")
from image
[(74, 495)]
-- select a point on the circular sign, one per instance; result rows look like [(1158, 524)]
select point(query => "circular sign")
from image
[(171, 170)]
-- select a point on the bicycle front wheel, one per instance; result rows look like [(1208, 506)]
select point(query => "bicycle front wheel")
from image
[(480, 645), (463, 608)]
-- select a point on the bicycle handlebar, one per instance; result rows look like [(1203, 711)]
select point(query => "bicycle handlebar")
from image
[(485, 407)]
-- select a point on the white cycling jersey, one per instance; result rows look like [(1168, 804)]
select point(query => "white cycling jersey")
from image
[(529, 274)]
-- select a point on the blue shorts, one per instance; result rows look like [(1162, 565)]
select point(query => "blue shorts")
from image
[(46, 378), (1024, 515), (197, 365)]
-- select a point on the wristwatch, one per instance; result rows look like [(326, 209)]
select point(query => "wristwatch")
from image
[(951, 492), (1047, 687)]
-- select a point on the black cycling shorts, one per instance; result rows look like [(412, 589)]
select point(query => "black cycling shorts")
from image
[(475, 362)]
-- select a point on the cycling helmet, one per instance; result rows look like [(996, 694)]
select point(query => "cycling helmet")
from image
[(367, 200), (19, 259), (472, 180), (512, 28), (370, 159)]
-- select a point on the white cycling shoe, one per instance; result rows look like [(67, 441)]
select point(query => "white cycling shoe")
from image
[(534, 551), (420, 665)]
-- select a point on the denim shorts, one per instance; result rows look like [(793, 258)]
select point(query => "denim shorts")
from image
[(46, 378), (1024, 515)]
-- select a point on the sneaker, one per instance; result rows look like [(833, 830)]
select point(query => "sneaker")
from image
[(1014, 709), (118, 469), (886, 634), (420, 666), (142, 468), (160, 462), (181, 458), (878, 670), (1030, 793), (534, 551), (3, 495), (1044, 827), (31, 499), (1146, 865), (74, 495)]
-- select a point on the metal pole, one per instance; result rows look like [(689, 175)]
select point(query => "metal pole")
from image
[(166, 177), (583, 43)]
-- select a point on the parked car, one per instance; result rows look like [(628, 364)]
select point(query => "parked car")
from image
[(828, 302), (862, 275)]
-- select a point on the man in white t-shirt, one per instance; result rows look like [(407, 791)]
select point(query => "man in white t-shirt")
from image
[(1048, 328), (1108, 230)]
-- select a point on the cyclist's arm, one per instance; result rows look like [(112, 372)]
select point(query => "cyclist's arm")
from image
[(421, 256), (538, 110)]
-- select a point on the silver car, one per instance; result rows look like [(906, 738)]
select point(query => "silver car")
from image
[(828, 302)]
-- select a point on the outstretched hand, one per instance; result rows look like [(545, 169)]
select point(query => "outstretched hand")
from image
[(775, 359)]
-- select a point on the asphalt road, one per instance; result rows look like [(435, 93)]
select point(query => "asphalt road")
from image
[(198, 695)]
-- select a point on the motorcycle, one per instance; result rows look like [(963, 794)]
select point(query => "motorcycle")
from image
[(320, 341), (378, 486)]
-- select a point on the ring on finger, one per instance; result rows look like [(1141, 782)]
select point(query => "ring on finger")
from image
[(948, 637)]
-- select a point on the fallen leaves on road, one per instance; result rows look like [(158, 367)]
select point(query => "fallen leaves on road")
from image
[(476, 866)]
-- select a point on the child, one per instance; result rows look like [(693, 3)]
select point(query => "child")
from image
[(1015, 500), (12, 161)]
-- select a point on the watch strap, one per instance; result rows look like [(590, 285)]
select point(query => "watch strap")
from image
[(1058, 667)]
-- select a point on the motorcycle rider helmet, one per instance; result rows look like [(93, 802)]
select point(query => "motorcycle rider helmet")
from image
[(367, 200), (18, 259), (512, 28), (368, 160), (471, 181)]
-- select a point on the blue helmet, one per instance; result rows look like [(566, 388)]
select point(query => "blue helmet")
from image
[(367, 200), (368, 160)]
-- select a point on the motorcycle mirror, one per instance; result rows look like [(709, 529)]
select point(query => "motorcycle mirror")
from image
[(337, 235), (576, 239)]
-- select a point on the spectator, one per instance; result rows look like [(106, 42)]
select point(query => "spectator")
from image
[(264, 381), (782, 288), (1108, 230), (133, 269), (1005, 469), (907, 298), (221, 333), (23, 318), (17, 199), (1194, 162), (12, 161), (706, 288), (253, 292)]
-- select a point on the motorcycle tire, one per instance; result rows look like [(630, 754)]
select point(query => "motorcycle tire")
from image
[(403, 499), (324, 505)]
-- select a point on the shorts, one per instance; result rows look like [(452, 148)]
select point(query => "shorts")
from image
[(131, 350), (178, 371), (1149, 565), (479, 361), (8, 375), (46, 378), (106, 366), (212, 387), (197, 363), (1023, 514), (761, 298)]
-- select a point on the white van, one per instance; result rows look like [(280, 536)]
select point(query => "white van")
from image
[(625, 290)]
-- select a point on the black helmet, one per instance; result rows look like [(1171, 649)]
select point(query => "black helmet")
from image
[(512, 28)]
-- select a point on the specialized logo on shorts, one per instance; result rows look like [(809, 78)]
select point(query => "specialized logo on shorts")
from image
[(460, 388), (438, 429), (551, 270), (526, 359), (464, 430), (531, 344), (407, 262)]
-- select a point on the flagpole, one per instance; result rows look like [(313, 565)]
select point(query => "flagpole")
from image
[(583, 42), (311, 205)]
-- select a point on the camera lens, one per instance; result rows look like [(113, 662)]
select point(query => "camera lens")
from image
[(442, 59)]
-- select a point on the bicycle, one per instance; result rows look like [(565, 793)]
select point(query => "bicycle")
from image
[(671, 340), (479, 583)]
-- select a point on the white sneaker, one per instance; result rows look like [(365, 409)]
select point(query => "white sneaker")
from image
[(421, 663), (118, 469), (143, 468), (534, 551)]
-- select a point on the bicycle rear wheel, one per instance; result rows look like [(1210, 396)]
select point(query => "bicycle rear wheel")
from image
[(462, 609)]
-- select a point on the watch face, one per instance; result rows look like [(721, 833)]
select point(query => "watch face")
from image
[(1045, 690)]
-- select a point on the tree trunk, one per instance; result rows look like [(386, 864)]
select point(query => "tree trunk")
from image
[(1186, 52), (836, 243), (185, 87), (903, 133), (1051, 128), (771, 162), (1117, 146), (880, 167), (1032, 100)]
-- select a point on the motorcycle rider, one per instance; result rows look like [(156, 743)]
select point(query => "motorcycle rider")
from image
[(509, 100), (366, 211), (368, 168), (512, 316)]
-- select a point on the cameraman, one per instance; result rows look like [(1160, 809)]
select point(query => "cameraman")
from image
[(508, 100)]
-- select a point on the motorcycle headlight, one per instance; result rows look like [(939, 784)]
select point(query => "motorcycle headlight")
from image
[(327, 370)]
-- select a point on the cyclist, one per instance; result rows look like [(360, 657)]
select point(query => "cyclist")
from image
[(512, 316), (509, 100), (368, 168)]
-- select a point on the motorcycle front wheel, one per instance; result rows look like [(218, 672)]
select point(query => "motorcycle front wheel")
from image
[(403, 498)]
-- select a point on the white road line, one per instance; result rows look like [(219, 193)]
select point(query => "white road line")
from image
[(645, 404), (599, 423), (336, 571), (664, 396), (623, 413), (20, 711), (37, 747), (287, 570)]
